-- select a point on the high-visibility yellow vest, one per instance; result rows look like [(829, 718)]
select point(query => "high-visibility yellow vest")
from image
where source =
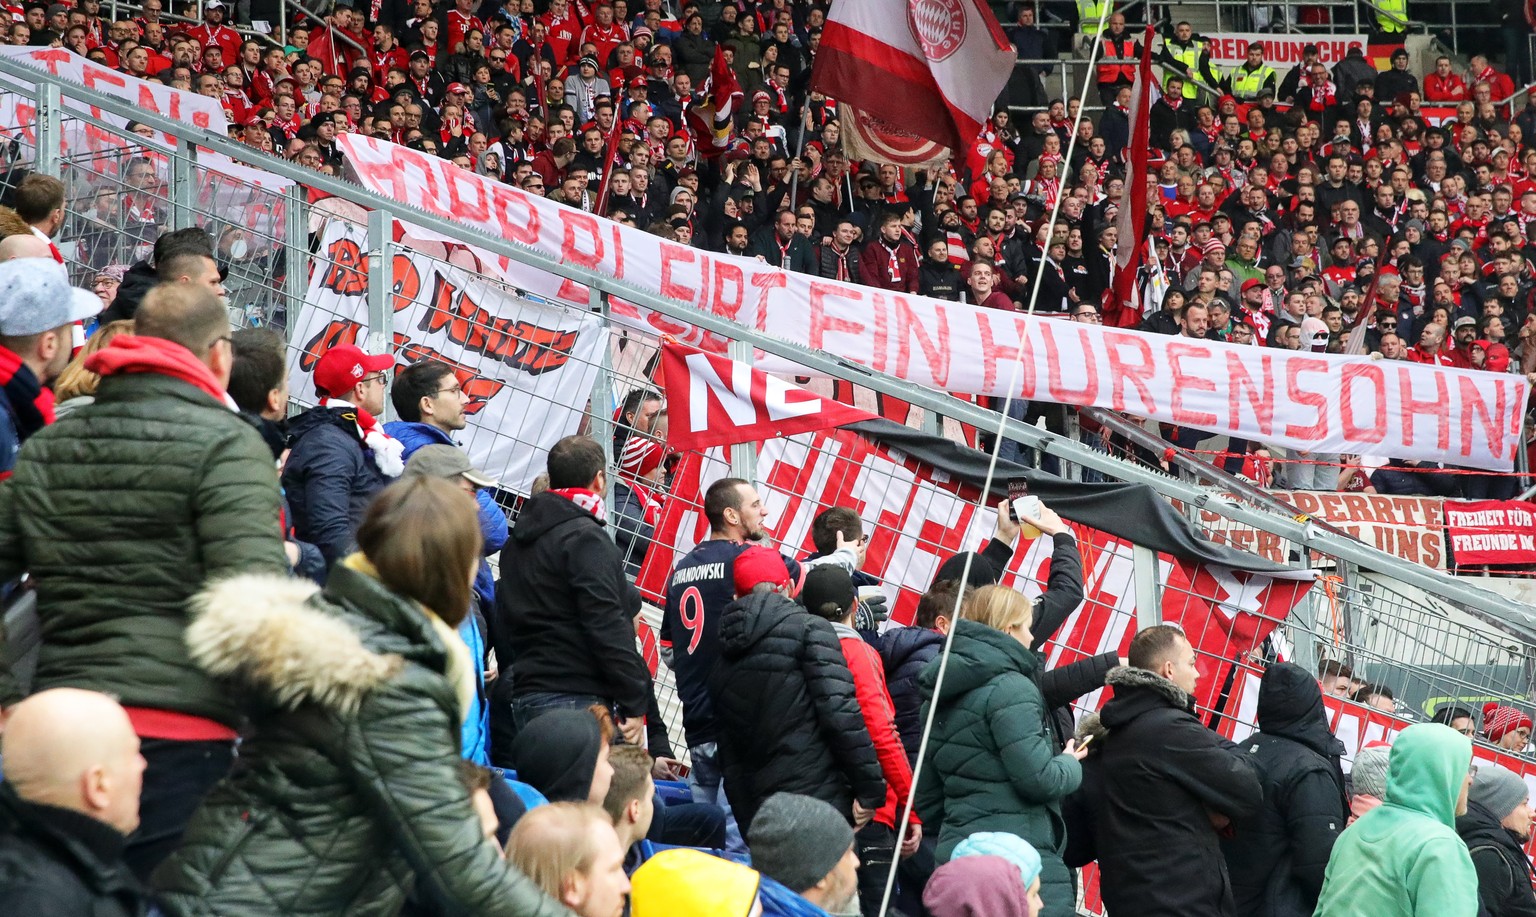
[(1398, 8), (1247, 83), (1189, 56), (1088, 13)]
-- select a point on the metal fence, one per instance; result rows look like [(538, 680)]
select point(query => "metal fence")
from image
[(1430, 635)]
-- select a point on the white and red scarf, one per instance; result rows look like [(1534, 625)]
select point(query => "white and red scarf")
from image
[(388, 452), (589, 500)]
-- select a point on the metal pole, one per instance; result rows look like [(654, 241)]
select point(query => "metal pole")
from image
[(184, 184), (47, 156), (603, 395), (743, 455), (381, 318), (794, 174), (296, 255), (1149, 608)]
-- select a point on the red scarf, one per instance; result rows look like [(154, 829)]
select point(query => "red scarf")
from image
[(133, 354), (589, 500)]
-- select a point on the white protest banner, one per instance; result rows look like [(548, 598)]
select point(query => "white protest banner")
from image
[(527, 369), (1408, 527), (1313, 402), (1228, 49)]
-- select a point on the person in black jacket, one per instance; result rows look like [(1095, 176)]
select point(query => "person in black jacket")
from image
[(560, 606), (1496, 828), (780, 245), (70, 798), (1157, 787), (1170, 113), (142, 275), (1277, 858), (786, 715), (937, 276)]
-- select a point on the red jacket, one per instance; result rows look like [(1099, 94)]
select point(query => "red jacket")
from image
[(880, 719), (877, 270)]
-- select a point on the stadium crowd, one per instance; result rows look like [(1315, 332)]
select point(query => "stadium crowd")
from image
[(278, 675)]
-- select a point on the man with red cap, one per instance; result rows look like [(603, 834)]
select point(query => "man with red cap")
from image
[(1506, 727), (786, 715), (341, 455)]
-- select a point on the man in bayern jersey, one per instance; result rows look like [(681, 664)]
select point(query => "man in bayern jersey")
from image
[(700, 587)]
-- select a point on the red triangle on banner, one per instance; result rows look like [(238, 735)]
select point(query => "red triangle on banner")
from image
[(715, 401)]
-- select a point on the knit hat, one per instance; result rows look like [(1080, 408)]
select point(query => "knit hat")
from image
[(827, 585), (683, 882), (556, 754), (1010, 847), (758, 564), (796, 840), (976, 886), (1500, 721), (1497, 789), (1369, 774)]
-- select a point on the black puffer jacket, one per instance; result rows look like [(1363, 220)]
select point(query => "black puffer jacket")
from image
[(1503, 871), (61, 863), (786, 712), (1151, 786), (347, 793), (1277, 857), (905, 650), (561, 618)]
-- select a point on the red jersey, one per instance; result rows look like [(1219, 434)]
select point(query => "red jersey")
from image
[(606, 40), (381, 62), (222, 35), (1439, 88), (880, 719), (458, 24), (563, 35)]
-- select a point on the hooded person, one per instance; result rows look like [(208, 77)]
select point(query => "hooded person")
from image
[(1404, 858), (1368, 779), (982, 886), (562, 755), (683, 882), (1496, 828), (1276, 857)]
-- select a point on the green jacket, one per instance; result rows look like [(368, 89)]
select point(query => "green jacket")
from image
[(348, 790), (991, 763), (1404, 857), (121, 512)]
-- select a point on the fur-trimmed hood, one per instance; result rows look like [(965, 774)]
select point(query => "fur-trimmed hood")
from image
[(1139, 691), (266, 633), (1124, 676)]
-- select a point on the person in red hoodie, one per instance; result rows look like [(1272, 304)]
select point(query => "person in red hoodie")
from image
[(828, 592), (162, 441)]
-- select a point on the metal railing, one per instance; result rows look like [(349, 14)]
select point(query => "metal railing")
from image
[(278, 261)]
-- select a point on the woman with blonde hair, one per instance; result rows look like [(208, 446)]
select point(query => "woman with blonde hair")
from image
[(76, 386), (348, 793), (991, 762)]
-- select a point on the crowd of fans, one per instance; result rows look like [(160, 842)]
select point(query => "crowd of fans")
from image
[(277, 674)]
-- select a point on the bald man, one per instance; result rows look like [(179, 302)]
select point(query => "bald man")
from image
[(24, 246), (70, 798)]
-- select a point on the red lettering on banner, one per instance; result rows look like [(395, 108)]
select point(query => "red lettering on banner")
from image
[(725, 274), (423, 192), (146, 99), (774, 280), (52, 57), (507, 205), (337, 332), (478, 389), (1438, 407), (1182, 415), (935, 348), (407, 282), (882, 331), (1089, 393), (993, 353), (821, 323), (1353, 430), (466, 197), (1318, 429), (1122, 371), (578, 228), (1473, 403), (1260, 396), (347, 274), (96, 77), (618, 253), (682, 254), (518, 344)]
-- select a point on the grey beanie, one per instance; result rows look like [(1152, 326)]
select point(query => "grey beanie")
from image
[(796, 840), (1497, 789), (1368, 777)]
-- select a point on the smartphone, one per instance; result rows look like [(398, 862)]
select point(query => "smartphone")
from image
[(1018, 489)]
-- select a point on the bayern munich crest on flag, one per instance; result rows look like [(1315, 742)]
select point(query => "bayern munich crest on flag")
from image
[(938, 26)]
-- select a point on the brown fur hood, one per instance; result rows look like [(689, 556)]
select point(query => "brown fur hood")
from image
[(265, 632)]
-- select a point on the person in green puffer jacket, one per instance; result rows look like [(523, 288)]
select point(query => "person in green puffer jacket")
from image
[(348, 794), (120, 513), (991, 762), (1404, 857)]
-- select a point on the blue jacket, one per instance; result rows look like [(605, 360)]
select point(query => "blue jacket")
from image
[(779, 901), (493, 522), (10, 440), (905, 651), (329, 480)]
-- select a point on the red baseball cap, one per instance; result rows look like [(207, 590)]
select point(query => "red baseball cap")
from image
[(758, 564), (1252, 284), (344, 365), (638, 83), (457, 87)]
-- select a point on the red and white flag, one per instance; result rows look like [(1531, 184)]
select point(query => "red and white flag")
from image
[(928, 68), (715, 401), (1122, 311)]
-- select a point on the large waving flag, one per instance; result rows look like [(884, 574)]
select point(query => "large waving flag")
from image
[(1122, 310), (931, 69), (725, 97)]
